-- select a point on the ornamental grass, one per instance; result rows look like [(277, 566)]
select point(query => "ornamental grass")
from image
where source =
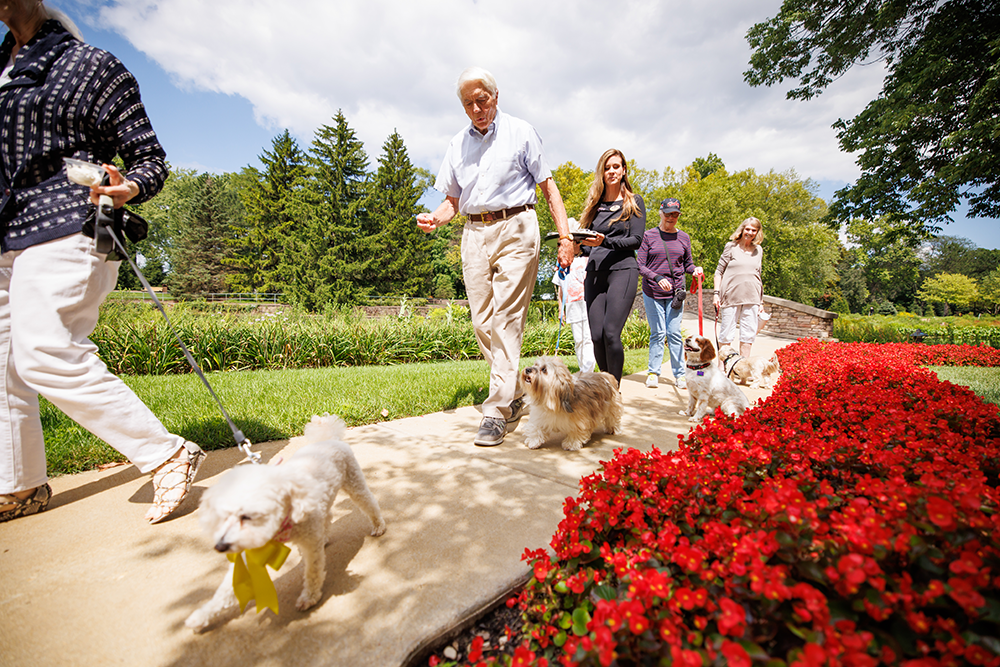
[(851, 519), (134, 339)]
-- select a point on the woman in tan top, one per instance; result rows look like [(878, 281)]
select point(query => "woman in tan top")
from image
[(739, 290)]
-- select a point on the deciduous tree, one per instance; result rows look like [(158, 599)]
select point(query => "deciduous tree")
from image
[(932, 137), (887, 259), (953, 289)]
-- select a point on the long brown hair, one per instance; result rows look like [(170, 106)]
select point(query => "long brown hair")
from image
[(629, 205), (735, 237)]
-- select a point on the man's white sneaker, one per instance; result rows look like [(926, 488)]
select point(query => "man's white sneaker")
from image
[(681, 382), (652, 380)]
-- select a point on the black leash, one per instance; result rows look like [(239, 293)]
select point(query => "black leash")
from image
[(241, 440), (717, 328)]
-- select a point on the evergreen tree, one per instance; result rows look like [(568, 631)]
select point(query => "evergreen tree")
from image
[(201, 246), (403, 266), (332, 233), (257, 247), (304, 268)]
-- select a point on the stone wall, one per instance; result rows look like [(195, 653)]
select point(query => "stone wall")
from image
[(788, 318)]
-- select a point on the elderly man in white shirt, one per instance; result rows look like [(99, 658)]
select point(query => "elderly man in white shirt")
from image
[(489, 175)]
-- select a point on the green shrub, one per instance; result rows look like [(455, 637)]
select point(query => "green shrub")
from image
[(444, 287)]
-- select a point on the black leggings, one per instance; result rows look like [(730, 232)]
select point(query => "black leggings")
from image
[(609, 296)]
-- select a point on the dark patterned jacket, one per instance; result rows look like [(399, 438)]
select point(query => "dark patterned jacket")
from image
[(66, 99)]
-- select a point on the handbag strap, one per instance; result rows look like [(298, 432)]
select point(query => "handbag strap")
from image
[(670, 262)]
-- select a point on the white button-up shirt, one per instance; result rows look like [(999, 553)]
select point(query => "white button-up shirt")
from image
[(494, 171)]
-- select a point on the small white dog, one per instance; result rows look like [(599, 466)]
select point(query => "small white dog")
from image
[(253, 504), (752, 371), (574, 404), (708, 386)]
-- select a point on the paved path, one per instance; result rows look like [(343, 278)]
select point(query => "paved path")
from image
[(88, 582)]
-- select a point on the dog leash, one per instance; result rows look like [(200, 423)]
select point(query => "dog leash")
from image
[(701, 332), (563, 274), (729, 368), (717, 328), (241, 440)]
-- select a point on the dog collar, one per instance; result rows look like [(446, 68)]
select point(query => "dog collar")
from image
[(725, 363), (285, 532), (698, 367)]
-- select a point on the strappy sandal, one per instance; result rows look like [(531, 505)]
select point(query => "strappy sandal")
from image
[(33, 504), (171, 483)]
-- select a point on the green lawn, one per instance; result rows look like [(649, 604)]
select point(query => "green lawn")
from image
[(274, 405), (985, 382)]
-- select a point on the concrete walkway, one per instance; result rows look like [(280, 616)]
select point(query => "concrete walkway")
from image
[(88, 582)]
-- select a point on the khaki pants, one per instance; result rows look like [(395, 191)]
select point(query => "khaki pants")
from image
[(500, 265)]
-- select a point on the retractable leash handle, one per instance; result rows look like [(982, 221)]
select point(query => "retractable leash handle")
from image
[(92, 175), (103, 236)]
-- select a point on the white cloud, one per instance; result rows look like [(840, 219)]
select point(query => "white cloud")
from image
[(660, 80)]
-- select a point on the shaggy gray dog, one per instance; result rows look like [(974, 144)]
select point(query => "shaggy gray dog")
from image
[(576, 404)]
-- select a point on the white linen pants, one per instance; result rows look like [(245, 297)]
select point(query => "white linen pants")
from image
[(744, 317), (500, 265), (49, 300)]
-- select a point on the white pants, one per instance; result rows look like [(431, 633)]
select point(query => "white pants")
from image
[(745, 316), (49, 300), (584, 345), (500, 264)]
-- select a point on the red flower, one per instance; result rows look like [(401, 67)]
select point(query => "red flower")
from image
[(978, 655), (853, 478), (736, 655), (732, 620), (476, 649), (941, 513), (523, 657), (812, 655)]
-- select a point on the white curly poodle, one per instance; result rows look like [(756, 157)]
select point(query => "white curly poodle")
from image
[(253, 504)]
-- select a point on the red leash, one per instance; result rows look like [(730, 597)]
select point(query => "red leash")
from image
[(701, 331)]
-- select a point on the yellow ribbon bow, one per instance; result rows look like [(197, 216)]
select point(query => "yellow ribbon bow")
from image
[(251, 580)]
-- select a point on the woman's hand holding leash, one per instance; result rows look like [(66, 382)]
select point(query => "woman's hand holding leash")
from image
[(119, 189)]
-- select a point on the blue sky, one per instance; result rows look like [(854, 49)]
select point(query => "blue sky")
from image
[(221, 79)]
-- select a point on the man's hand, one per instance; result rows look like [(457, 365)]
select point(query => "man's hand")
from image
[(567, 250), (426, 222)]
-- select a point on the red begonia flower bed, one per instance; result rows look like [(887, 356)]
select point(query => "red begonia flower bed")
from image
[(851, 519)]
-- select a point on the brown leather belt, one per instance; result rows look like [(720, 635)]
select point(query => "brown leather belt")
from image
[(502, 214)]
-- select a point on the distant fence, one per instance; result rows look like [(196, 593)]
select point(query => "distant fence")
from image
[(163, 295)]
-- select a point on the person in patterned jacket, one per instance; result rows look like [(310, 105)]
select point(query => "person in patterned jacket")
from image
[(60, 98)]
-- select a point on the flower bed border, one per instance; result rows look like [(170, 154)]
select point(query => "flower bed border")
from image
[(856, 506)]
